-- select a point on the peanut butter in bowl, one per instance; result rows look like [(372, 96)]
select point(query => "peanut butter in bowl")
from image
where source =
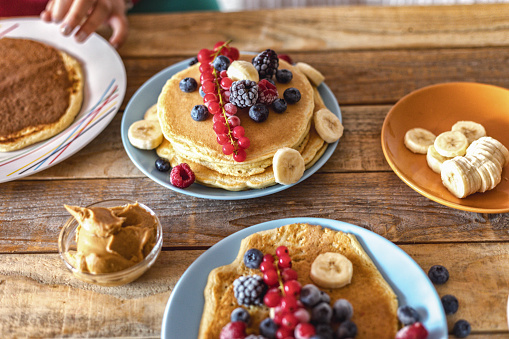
[(110, 243)]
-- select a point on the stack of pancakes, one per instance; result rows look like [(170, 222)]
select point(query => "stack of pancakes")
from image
[(194, 142)]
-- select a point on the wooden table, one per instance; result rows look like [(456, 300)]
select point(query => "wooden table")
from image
[(372, 57)]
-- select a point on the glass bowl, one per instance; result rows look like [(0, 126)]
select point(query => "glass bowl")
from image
[(67, 248)]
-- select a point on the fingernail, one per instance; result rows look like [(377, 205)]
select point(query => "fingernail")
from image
[(81, 36), (66, 30)]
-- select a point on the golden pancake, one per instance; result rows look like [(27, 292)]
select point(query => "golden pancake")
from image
[(41, 92), (197, 142), (373, 300)]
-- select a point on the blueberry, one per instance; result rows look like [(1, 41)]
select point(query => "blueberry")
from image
[(253, 258), (268, 328), (193, 61), (162, 165), (310, 295), (342, 310), (291, 95), (461, 328), (450, 304), (240, 314), (407, 315), (438, 274), (321, 313), (279, 105), (221, 63), (199, 113), (347, 329), (284, 76), (259, 112), (324, 297), (324, 331), (202, 93), (188, 85)]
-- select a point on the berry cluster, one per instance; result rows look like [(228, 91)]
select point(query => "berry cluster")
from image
[(215, 86)]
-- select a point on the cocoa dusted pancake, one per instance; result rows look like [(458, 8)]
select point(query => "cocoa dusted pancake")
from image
[(373, 300), (41, 92)]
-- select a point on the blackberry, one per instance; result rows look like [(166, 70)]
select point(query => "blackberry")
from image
[(249, 290), (199, 113), (244, 93), (438, 274), (408, 315), (259, 112), (253, 258), (266, 63), (450, 304), (279, 105), (188, 85), (284, 76), (162, 165), (461, 328), (221, 63), (291, 95)]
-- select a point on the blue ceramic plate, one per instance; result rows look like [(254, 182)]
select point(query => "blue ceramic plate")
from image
[(147, 95), (412, 286)]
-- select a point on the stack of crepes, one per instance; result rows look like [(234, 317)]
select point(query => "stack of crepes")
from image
[(194, 142)]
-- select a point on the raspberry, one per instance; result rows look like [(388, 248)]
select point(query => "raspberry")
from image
[(244, 93), (267, 92), (266, 63), (182, 176), (286, 58), (233, 330), (249, 290)]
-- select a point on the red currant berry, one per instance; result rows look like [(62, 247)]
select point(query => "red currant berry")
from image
[(236, 329), (303, 315), (226, 96), (205, 67), (281, 250), (285, 261), (271, 299), (218, 45), (289, 304), (223, 139), (244, 142), (267, 266), (289, 274), (228, 148), (230, 109), (304, 331), (238, 132), (233, 53), (268, 257), (210, 97), (278, 316), (292, 287), (213, 107), (218, 118), (206, 76), (284, 333), (289, 321), (270, 277), (220, 128), (234, 121), (204, 56), (226, 83), (239, 155), (223, 74), (208, 86)]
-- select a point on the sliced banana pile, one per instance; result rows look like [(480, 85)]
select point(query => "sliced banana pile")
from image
[(331, 270)]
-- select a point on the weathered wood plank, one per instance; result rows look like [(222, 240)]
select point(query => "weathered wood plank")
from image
[(320, 28), (38, 296)]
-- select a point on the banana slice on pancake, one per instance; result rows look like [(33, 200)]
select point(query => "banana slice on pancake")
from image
[(145, 134), (313, 75), (242, 70), (451, 144), (331, 270), (328, 125), (434, 159), (288, 166), (151, 113), (418, 140), (472, 130)]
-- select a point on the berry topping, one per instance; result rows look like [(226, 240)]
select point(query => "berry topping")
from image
[(292, 287), (408, 315), (253, 258), (199, 113), (270, 277), (268, 328), (461, 328), (303, 315), (249, 290), (162, 165), (182, 176), (291, 95), (304, 331), (324, 331), (346, 329), (324, 297), (284, 76), (221, 63), (284, 261), (272, 299), (450, 304), (321, 313), (233, 330), (188, 85), (266, 63), (243, 93), (204, 55), (438, 274), (288, 274), (267, 92), (310, 295), (279, 105), (239, 155), (230, 109), (286, 58), (342, 310), (259, 112), (414, 331), (193, 61), (240, 314)]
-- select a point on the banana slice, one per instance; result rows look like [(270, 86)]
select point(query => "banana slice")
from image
[(455, 179), (288, 165), (242, 70), (314, 76), (331, 270), (485, 152), (473, 177), (434, 159), (145, 134), (477, 162), (151, 113), (328, 125), (451, 144), (418, 140), (472, 130), (498, 145)]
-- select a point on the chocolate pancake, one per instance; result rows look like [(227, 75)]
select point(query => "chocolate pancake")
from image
[(41, 92), (373, 300)]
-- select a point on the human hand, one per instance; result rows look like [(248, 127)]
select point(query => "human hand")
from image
[(88, 15)]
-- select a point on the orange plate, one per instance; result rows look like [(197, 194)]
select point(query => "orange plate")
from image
[(437, 108)]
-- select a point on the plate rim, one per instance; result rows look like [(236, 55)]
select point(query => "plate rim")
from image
[(358, 231), (228, 195), (407, 180)]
